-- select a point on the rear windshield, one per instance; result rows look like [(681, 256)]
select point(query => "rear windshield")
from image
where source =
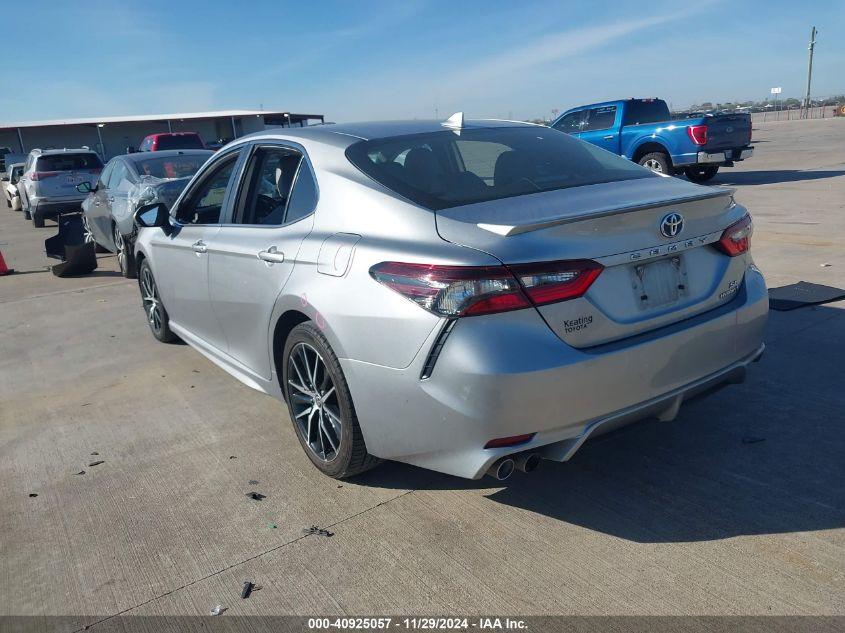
[(186, 141), (68, 162), (169, 166), (445, 169), (642, 111)]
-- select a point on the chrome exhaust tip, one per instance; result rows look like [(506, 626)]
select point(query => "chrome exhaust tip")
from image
[(501, 469), (527, 462)]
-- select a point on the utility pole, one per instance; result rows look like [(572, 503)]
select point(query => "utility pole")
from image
[(811, 47)]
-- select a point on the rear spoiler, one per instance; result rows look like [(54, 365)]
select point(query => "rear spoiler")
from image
[(506, 230)]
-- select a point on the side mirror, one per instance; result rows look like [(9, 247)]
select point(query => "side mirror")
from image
[(153, 215), (85, 187)]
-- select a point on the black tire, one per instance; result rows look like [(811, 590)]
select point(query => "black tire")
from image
[(125, 258), (657, 161), (26, 214), (38, 221), (8, 202), (701, 174), (351, 456), (159, 322)]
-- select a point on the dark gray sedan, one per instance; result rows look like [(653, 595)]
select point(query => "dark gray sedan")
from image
[(126, 183)]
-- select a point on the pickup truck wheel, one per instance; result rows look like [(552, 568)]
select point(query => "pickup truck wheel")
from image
[(701, 174), (38, 221), (657, 161)]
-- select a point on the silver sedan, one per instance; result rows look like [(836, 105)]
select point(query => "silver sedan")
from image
[(465, 296)]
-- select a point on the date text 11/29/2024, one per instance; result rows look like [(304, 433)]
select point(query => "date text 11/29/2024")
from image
[(421, 623)]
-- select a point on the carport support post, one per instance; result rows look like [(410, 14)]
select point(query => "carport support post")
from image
[(20, 140), (102, 145), (169, 126), (234, 130)]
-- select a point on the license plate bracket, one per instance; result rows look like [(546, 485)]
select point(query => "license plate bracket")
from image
[(660, 283)]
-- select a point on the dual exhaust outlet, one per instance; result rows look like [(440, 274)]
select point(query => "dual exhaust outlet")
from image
[(503, 467)]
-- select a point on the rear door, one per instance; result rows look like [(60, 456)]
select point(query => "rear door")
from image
[(601, 128), (184, 253), (256, 249)]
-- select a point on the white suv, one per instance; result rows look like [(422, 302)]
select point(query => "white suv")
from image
[(48, 184)]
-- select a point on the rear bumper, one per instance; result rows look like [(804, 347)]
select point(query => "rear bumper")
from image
[(723, 157), (51, 207), (508, 374), (728, 156)]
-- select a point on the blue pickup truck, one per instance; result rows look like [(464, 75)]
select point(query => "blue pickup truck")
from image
[(643, 131)]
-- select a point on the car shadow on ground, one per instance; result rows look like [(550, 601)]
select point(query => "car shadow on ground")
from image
[(768, 177), (764, 457)]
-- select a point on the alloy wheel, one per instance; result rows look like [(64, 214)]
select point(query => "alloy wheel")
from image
[(88, 234), (653, 165), (152, 303), (313, 402), (121, 254)]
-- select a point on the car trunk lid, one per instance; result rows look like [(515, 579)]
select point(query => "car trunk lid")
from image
[(649, 279)]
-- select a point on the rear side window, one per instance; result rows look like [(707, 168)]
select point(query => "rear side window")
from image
[(303, 198), (68, 162), (639, 111), (270, 176), (600, 118), (443, 169), (186, 141)]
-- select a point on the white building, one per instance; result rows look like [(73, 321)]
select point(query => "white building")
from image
[(112, 135)]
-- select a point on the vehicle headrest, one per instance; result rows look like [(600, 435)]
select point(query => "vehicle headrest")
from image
[(511, 166), (420, 168)]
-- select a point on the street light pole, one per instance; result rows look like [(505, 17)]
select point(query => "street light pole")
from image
[(811, 47)]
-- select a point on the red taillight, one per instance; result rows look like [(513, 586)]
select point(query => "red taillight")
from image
[(43, 175), (736, 238), (513, 440), (454, 291), (697, 134), (549, 282)]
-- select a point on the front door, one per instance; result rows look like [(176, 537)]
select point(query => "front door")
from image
[(257, 248), (185, 252), (600, 128)]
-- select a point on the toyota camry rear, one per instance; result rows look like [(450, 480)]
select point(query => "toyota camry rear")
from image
[(470, 297)]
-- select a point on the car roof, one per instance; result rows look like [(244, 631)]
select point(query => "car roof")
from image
[(166, 153), (370, 130), (159, 134)]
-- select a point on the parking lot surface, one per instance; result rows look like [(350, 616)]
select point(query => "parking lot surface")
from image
[(736, 507)]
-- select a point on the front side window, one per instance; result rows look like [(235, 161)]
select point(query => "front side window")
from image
[(269, 177), (204, 204), (528, 159), (106, 174), (119, 177), (600, 118), (570, 123)]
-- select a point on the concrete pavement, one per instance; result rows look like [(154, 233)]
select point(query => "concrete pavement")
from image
[(737, 507)]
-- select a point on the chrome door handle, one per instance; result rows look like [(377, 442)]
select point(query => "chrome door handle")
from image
[(199, 246), (271, 256), (608, 138)]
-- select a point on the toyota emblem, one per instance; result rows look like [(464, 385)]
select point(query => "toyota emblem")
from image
[(672, 224)]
